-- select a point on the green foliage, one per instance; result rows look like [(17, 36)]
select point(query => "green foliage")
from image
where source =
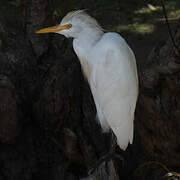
[(142, 16), (147, 15)]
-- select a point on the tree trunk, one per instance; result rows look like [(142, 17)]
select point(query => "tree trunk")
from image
[(47, 125), (158, 111), (47, 114)]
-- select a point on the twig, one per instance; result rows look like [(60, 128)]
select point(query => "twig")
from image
[(164, 167), (168, 25)]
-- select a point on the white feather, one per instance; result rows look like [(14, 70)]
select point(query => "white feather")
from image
[(115, 86), (112, 75), (110, 68)]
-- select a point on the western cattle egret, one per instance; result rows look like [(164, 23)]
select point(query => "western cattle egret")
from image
[(109, 66)]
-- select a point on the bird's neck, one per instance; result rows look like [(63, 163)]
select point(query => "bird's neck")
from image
[(86, 41)]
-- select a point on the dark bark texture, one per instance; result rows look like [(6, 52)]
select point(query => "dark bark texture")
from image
[(158, 111), (47, 115), (47, 126)]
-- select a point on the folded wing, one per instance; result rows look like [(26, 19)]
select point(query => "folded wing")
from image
[(115, 89)]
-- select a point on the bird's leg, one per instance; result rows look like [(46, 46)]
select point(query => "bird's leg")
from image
[(111, 154)]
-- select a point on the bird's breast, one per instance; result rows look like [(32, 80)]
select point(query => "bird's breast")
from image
[(86, 68)]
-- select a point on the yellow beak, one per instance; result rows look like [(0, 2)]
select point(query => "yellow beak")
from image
[(54, 29)]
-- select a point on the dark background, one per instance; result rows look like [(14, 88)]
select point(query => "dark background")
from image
[(47, 114)]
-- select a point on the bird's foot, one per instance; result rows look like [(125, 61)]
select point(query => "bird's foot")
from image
[(104, 161)]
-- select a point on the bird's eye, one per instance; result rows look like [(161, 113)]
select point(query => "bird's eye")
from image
[(68, 26)]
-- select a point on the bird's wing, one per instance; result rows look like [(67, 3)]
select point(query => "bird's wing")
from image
[(115, 87)]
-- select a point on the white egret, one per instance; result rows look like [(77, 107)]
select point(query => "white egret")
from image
[(109, 66)]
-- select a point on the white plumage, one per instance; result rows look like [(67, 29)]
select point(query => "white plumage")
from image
[(109, 65)]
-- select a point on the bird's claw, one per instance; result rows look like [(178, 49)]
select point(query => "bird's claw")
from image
[(118, 156), (103, 161)]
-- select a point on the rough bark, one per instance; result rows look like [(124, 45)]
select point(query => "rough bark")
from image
[(47, 125), (158, 110)]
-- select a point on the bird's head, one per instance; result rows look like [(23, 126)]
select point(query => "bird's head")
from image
[(74, 24)]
